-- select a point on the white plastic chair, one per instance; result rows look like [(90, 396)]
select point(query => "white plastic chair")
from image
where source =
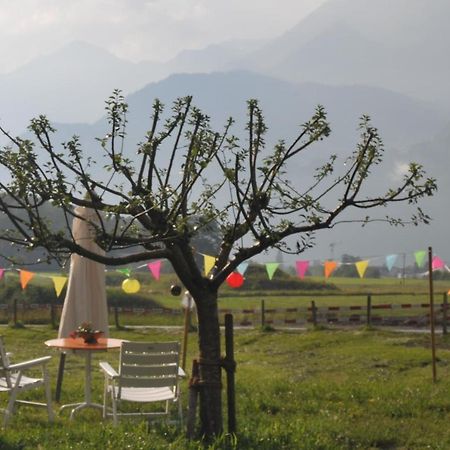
[(148, 372), (13, 381)]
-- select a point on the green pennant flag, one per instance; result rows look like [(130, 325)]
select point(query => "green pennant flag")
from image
[(271, 268), (126, 272), (420, 257)]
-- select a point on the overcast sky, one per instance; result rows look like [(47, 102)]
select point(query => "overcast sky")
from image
[(139, 29)]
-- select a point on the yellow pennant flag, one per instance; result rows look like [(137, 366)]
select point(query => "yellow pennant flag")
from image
[(361, 267), (25, 277), (209, 262), (59, 283), (329, 267)]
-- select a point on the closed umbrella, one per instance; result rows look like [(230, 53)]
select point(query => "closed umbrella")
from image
[(85, 299), (86, 292)]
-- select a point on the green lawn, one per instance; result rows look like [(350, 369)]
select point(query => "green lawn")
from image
[(295, 390)]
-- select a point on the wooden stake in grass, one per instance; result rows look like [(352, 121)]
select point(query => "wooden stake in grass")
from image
[(433, 340), (187, 304)]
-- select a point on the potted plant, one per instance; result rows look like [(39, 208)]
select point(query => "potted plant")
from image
[(87, 333)]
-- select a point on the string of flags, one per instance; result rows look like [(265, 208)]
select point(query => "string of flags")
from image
[(236, 279)]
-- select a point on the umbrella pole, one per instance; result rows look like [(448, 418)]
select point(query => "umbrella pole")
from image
[(62, 361)]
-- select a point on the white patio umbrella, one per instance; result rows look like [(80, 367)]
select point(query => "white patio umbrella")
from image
[(85, 299)]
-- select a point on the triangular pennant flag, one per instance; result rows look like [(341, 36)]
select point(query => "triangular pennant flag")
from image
[(361, 267), (155, 269), (126, 272), (390, 261), (209, 262), (25, 277), (242, 267), (302, 267), (437, 263), (59, 283), (420, 257), (329, 267), (2, 272), (271, 268)]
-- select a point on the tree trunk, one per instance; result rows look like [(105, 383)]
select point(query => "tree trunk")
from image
[(209, 364)]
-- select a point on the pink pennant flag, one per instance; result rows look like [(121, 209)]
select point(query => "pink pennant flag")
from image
[(302, 267), (155, 269), (2, 272), (437, 263)]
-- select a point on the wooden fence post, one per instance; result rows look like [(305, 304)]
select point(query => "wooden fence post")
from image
[(263, 314), (187, 313), (116, 317), (230, 366), (431, 293), (52, 313), (15, 310), (369, 310), (314, 313), (444, 313)]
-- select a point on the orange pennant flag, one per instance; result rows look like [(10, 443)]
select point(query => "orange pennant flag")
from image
[(329, 267), (25, 278)]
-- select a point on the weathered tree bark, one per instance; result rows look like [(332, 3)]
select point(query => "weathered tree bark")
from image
[(209, 364)]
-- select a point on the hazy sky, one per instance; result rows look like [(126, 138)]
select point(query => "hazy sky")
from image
[(139, 29)]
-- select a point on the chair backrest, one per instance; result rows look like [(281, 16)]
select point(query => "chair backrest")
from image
[(149, 364), (4, 364)]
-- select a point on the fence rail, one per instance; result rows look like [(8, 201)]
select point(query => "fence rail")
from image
[(389, 314)]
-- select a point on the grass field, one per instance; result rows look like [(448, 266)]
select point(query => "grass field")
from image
[(323, 389)]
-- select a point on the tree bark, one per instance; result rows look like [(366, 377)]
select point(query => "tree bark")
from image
[(209, 365)]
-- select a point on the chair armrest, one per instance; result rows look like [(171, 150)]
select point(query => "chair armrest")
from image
[(108, 370), (30, 363), (181, 372)]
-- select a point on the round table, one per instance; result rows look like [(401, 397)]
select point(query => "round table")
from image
[(78, 344)]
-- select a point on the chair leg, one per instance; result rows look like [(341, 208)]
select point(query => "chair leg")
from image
[(6, 417), (105, 400), (10, 408), (180, 411), (114, 408)]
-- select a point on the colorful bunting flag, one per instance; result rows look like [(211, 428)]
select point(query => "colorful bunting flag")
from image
[(209, 262), (155, 269), (242, 267), (437, 263), (390, 261), (329, 267), (59, 283), (302, 267), (271, 268), (126, 272), (25, 277), (361, 267), (420, 257)]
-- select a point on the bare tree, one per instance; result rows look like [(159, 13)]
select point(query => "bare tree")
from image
[(152, 205)]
